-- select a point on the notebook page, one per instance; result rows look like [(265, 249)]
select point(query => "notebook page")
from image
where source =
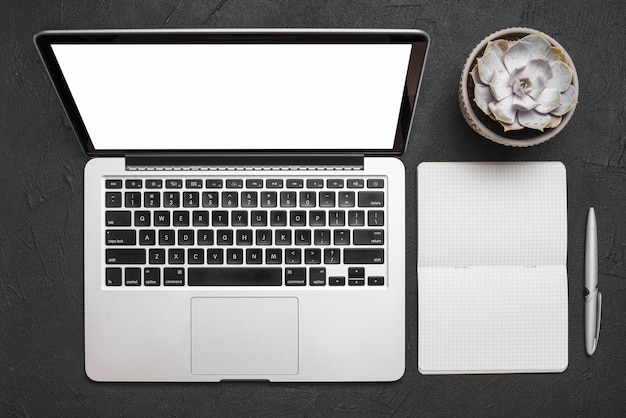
[(492, 280)]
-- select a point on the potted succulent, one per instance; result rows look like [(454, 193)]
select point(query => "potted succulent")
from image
[(518, 87)]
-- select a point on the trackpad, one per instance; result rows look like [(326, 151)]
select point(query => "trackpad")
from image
[(244, 336)]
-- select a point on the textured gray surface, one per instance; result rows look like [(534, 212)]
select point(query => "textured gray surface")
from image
[(41, 322)]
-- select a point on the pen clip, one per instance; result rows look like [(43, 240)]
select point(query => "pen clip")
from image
[(598, 318)]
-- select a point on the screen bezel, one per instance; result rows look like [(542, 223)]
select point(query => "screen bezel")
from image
[(418, 39)]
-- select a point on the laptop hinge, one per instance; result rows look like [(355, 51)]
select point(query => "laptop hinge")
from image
[(246, 162)]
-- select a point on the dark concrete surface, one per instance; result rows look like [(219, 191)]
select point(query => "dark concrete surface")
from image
[(41, 185)]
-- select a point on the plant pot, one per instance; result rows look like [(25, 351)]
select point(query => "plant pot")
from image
[(490, 128)]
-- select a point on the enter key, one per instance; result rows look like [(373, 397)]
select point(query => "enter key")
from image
[(369, 237)]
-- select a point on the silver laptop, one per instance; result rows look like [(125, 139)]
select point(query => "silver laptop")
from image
[(244, 203)]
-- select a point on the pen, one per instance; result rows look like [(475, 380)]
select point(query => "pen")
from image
[(593, 298)]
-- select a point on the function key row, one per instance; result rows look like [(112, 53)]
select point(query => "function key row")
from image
[(249, 183)]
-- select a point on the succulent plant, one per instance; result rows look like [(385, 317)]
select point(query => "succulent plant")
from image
[(525, 83)]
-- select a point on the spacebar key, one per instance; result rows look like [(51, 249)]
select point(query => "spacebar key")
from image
[(234, 276)]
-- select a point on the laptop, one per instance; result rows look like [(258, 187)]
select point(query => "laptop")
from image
[(244, 206)]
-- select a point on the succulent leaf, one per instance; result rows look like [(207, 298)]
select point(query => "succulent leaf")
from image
[(487, 66), (548, 101), (517, 56), (568, 100), (533, 119), (482, 98), (524, 102), (561, 76), (556, 54), (503, 110), (554, 121), (500, 87), (540, 45), (499, 47)]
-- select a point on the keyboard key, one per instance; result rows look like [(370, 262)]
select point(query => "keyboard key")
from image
[(132, 276), (375, 218), (142, 218), (214, 183), (126, 256), (268, 199), (166, 237), (375, 281), (200, 218), (369, 237), (263, 237), (171, 199), (191, 199), (307, 199), (173, 276), (375, 183), (356, 282), (337, 281), (234, 256), (334, 183), (235, 276), (295, 276), (134, 184), (288, 199), (193, 183), (120, 237), (293, 256), (259, 218), (154, 184), (295, 183), (317, 276), (312, 256), (278, 218), (356, 272), (254, 256), (132, 199), (336, 218), (239, 218), (274, 184), (224, 237), (321, 237), (327, 199), (185, 237), (195, 256), (249, 199), (317, 218), (215, 256), (152, 276), (234, 183), (230, 199), (113, 276), (156, 256), (314, 183), (176, 256), (117, 218), (244, 237), (297, 218), (152, 199), (332, 256), (371, 199), (113, 184), (147, 237), (341, 236), (219, 218), (113, 199), (355, 183), (173, 184), (273, 256), (210, 199), (302, 237), (283, 237), (346, 199), (363, 256), (254, 183), (356, 218), (161, 218), (205, 237), (181, 218)]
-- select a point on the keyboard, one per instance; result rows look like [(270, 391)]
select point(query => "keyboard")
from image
[(326, 232)]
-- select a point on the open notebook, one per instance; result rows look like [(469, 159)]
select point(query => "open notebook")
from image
[(492, 278)]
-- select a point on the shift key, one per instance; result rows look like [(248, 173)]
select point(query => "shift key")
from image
[(366, 256), (126, 256), (371, 199)]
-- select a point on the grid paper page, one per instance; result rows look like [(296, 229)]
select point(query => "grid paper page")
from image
[(492, 280)]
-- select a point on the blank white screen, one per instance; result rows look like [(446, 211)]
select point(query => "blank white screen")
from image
[(237, 96)]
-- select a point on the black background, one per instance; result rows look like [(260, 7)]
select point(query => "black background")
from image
[(41, 184)]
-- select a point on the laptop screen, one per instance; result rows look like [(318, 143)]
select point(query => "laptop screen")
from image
[(235, 96)]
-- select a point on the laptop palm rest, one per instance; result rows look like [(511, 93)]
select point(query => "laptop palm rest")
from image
[(244, 335)]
